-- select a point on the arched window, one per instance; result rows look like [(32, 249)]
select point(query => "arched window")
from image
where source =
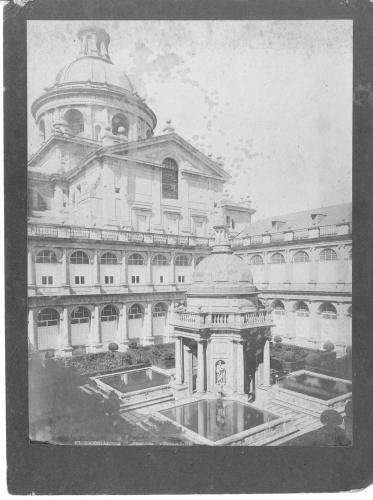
[(42, 130), (159, 310), (136, 260), (301, 256), (181, 260), (46, 257), (277, 258), (199, 259), (301, 309), (79, 257), (278, 308), (80, 315), (170, 179), (328, 311), (109, 313), (108, 258), (135, 312), (328, 254), (160, 260), (119, 120), (256, 260), (48, 317), (75, 120)]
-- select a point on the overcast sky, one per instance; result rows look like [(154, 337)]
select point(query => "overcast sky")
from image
[(272, 98)]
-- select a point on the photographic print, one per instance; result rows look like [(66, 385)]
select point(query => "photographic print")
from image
[(189, 232)]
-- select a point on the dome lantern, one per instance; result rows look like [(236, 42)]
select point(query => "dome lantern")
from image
[(94, 42)]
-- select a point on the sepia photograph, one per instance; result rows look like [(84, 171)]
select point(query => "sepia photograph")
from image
[(189, 232)]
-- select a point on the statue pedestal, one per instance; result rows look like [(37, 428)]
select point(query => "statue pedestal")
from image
[(179, 391)]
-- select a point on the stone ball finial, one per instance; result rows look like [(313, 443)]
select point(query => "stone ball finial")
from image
[(169, 129)]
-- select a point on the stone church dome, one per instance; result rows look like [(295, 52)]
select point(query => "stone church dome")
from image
[(95, 70), (93, 63)]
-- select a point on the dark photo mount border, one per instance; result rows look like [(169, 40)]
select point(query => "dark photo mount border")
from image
[(51, 469)]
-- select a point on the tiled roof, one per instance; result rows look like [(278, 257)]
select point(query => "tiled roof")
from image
[(334, 214)]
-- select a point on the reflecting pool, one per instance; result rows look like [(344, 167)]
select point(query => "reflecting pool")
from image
[(316, 386), (135, 380), (216, 419)]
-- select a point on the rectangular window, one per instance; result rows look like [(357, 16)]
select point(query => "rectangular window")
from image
[(181, 279), (117, 190), (50, 280), (109, 280), (161, 279), (135, 279), (79, 280), (47, 280)]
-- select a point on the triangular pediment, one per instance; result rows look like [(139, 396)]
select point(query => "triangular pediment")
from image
[(156, 149)]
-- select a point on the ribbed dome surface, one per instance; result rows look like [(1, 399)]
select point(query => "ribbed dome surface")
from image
[(95, 70), (222, 273)]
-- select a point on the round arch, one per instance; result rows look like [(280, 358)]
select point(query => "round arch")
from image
[(48, 328), (80, 324), (119, 120), (75, 120)]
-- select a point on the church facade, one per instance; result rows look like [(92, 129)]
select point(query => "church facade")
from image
[(118, 217)]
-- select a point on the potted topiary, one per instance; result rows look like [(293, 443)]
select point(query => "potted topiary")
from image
[(328, 355), (313, 360), (328, 346), (113, 347), (290, 361)]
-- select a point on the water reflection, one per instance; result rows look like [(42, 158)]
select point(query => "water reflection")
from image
[(136, 380), (217, 419), (315, 386)]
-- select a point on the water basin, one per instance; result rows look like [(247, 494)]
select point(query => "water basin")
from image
[(135, 380), (316, 386), (216, 419)]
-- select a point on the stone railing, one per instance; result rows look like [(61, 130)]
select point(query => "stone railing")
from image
[(299, 234), (83, 233), (222, 320)]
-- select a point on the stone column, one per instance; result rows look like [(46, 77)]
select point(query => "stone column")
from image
[(148, 277), (32, 329), (123, 330), (288, 267), (314, 266), (123, 271), (65, 278), (30, 269), (314, 318), (170, 320), (266, 267), (240, 374), (95, 270), (148, 325), (289, 321), (188, 375), (201, 366), (178, 360), (172, 268), (95, 337), (342, 269), (266, 379), (65, 344)]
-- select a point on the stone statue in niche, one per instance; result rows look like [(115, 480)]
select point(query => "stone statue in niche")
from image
[(220, 373)]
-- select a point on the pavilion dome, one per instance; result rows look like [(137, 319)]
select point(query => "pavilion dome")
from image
[(222, 273)]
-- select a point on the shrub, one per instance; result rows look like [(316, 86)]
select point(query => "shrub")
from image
[(132, 344), (289, 356), (277, 339), (313, 359), (331, 418), (113, 346), (328, 346)]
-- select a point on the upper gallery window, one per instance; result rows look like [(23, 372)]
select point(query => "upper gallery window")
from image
[(170, 173)]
